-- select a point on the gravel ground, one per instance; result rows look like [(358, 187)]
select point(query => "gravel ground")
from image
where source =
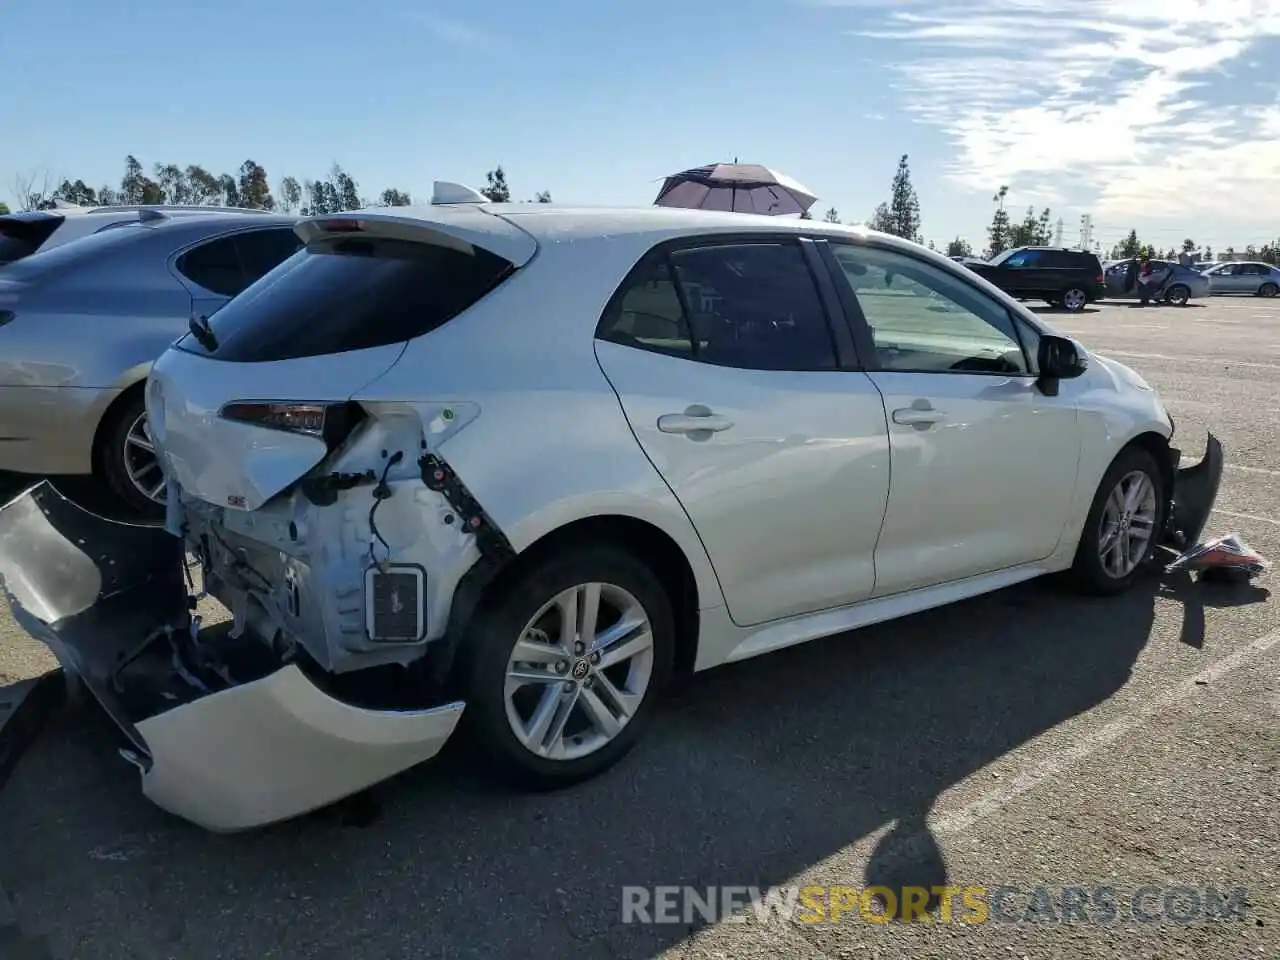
[(1026, 739)]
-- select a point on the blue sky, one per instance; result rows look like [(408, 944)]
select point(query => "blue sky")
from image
[(1158, 114)]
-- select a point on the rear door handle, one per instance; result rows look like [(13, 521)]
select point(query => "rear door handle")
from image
[(687, 423), (918, 414)]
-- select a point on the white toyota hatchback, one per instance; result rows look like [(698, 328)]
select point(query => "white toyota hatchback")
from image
[(515, 465)]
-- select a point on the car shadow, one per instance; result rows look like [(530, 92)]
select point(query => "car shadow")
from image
[(752, 774), (1056, 311)]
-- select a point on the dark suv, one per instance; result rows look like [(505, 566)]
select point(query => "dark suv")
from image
[(1062, 278)]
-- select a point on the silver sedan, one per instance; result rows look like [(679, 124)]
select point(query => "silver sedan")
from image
[(1248, 277), (80, 325)]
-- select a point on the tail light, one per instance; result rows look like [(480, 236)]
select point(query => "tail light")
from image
[(330, 422)]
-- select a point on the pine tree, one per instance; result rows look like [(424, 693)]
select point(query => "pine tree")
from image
[(832, 216), (998, 232), (904, 205)]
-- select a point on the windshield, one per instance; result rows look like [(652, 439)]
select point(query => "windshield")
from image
[(1003, 256)]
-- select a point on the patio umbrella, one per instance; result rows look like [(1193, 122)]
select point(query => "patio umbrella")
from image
[(735, 187)]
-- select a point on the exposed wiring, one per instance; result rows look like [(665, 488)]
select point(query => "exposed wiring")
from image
[(381, 492)]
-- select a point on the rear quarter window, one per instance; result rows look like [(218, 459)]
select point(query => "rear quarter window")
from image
[(344, 294)]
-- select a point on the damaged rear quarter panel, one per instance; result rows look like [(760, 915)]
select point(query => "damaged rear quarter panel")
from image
[(322, 545)]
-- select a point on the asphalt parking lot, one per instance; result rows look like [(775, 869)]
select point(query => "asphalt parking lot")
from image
[(1026, 739)]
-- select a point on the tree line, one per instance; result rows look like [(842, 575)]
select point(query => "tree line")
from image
[(247, 188)]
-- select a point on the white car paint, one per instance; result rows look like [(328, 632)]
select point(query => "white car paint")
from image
[(814, 513)]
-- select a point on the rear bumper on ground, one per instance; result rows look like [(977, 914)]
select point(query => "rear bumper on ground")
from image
[(229, 743)]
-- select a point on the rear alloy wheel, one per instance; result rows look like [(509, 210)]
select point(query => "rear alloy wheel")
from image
[(564, 669), (1268, 290), (1125, 520), (127, 462), (1074, 299), (1178, 295)]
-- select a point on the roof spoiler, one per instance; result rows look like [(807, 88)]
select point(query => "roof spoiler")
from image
[(444, 191)]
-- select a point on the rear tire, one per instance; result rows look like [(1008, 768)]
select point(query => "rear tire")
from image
[(1178, 295), (1074, 299), (121, 460), (1103, 566), (1268, 290), (505, 706)]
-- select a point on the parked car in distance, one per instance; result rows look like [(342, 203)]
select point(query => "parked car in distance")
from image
[(527, 461), (1183, 285), (22, 234), (1244, 276), (81, 324), (1070, 279)]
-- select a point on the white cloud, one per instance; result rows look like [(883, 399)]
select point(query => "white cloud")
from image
[(1107, 94), (459, 34)]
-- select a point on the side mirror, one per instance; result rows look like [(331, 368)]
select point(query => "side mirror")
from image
[(1059, 359)]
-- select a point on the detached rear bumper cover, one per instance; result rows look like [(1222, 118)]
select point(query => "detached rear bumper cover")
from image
[(101, 593)]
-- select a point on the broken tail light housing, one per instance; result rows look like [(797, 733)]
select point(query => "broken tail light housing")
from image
[(329, 422)]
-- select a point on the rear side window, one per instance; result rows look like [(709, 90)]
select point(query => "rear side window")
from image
[(23, 234), (748, 305), (351, 294), (227, 265), (215, 266)]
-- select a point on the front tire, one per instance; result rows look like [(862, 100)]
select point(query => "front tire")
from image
[(564, 668), (1123, 527), (127, 463)]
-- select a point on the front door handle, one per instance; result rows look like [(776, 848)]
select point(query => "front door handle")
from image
[(920, 413), (695, 422)]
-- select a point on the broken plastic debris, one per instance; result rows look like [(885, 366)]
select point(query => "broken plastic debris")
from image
[(1227, 553)]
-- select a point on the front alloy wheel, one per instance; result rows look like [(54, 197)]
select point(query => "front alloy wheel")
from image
[(562, 668), (1122, 529), (1127, 525)]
